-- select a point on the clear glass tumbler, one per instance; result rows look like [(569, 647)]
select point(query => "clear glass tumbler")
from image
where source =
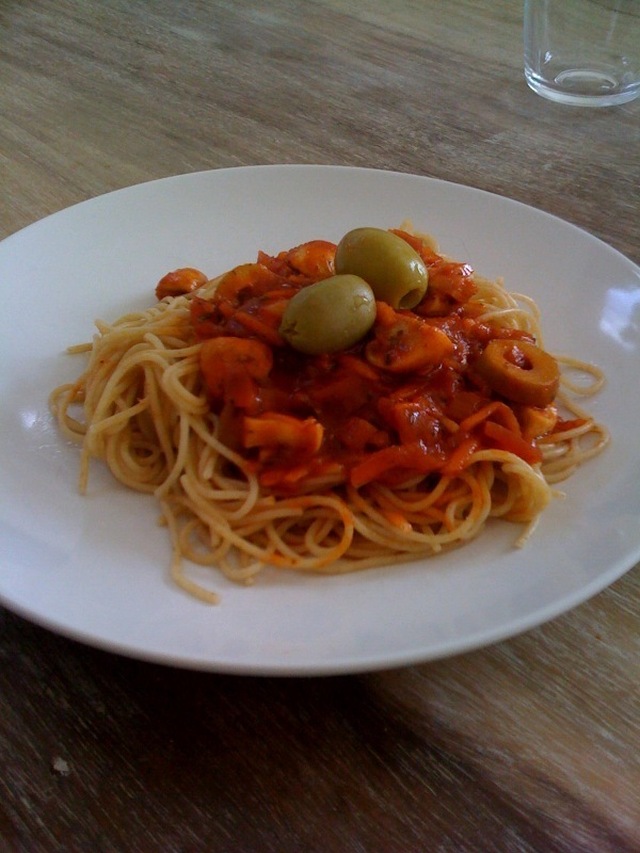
[(583, 52)]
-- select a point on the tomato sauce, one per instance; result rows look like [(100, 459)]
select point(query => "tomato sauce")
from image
[(406, 400)]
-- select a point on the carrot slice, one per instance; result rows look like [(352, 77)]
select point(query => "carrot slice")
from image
[(504, 439), (413, 458)]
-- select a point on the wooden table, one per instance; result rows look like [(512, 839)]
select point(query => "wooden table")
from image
[(530, 745)]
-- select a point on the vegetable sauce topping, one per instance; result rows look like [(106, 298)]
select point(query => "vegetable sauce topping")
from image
[(375, 360)]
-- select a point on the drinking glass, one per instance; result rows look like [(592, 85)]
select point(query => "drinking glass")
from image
[(583, 52)]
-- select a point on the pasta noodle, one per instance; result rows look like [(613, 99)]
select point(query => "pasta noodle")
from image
[(144, 406)]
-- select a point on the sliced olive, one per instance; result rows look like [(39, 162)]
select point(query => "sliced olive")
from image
[(520, 371), (396, 272), (330, 315)]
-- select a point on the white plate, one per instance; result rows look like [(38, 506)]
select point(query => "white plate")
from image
[(95, 568)]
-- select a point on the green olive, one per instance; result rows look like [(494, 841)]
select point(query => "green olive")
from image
[(330, 315), (396, 272)]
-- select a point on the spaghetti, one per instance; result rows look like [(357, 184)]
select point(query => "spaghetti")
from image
[(401, 445)]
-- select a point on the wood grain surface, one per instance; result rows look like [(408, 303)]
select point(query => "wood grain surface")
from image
[(529, 745)]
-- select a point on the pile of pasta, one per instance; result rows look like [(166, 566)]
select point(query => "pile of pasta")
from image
[(264, 450)]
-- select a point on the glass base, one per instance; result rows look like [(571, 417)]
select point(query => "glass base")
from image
[(583, 87)]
